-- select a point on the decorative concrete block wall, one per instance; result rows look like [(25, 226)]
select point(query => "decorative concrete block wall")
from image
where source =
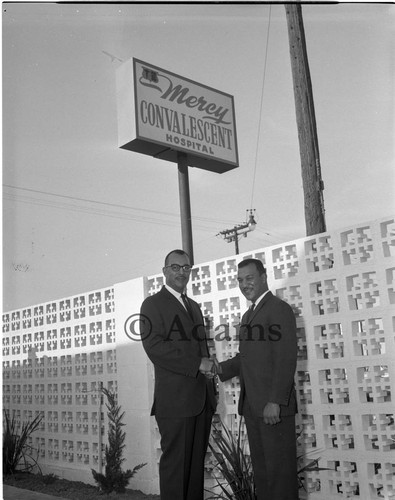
[(341, 286), (55, 358)]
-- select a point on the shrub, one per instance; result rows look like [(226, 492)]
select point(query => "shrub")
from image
[(17, 453), (236, 478), (114, 479), (306, 466), (49, 478)]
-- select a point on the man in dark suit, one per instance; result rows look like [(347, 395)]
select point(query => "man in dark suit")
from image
[(266, 365), (174, 339)]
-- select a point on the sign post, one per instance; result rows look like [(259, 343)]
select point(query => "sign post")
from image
[(173, 118), (185, 205)]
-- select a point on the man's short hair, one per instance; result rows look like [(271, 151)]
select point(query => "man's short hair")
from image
[(178, 252), (257, 263)]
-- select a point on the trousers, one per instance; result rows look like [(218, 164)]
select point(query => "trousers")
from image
[(273, 456), (184, 443)]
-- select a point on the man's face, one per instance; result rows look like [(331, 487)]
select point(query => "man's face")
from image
[(251, 283), (177, 279)]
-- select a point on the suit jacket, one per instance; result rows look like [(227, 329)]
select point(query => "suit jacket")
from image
[(266, 361), (175, 344)]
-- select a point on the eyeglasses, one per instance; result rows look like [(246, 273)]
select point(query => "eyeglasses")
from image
[(176, 268)]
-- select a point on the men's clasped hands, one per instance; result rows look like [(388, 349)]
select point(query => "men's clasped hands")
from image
[(210, 367)]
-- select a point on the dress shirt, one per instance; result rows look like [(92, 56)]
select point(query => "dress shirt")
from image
[(259, 298), (176, 294)]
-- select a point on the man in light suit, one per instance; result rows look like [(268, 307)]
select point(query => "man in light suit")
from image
[(266, 365), (174, 339)]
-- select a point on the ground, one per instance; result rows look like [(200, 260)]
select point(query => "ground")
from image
[(74, 490)]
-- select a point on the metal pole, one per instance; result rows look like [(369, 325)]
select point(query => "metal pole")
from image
[(100, 459), (185, 205)]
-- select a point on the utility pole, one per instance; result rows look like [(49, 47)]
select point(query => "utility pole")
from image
[(313, 185), (233, 234)]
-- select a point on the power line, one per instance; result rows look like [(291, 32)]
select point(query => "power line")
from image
[(278, 236), (205, 221), (88, 210), (75, 198), (95, 211), (260, 114)]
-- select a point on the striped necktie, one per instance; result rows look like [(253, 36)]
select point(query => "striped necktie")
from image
[(187, 305), (250, 312)]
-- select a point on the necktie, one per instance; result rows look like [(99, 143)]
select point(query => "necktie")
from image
[(187, 305), (250, 311), (203, 344)]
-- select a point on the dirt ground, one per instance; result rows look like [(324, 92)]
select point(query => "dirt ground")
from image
[(73, 490)]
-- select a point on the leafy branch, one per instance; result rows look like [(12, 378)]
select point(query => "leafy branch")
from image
[(114, 479)]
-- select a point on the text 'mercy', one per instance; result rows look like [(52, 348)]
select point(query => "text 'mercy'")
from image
[(150, 78)]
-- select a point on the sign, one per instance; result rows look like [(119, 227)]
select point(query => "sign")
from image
[(161, 113)]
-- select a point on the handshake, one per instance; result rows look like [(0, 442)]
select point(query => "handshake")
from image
[(210, 367)]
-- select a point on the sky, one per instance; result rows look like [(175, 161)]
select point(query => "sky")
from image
[(81, 214)]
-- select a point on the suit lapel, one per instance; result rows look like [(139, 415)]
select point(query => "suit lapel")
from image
[(186, 319), (174, 301), (260, 306), (246, 329)]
